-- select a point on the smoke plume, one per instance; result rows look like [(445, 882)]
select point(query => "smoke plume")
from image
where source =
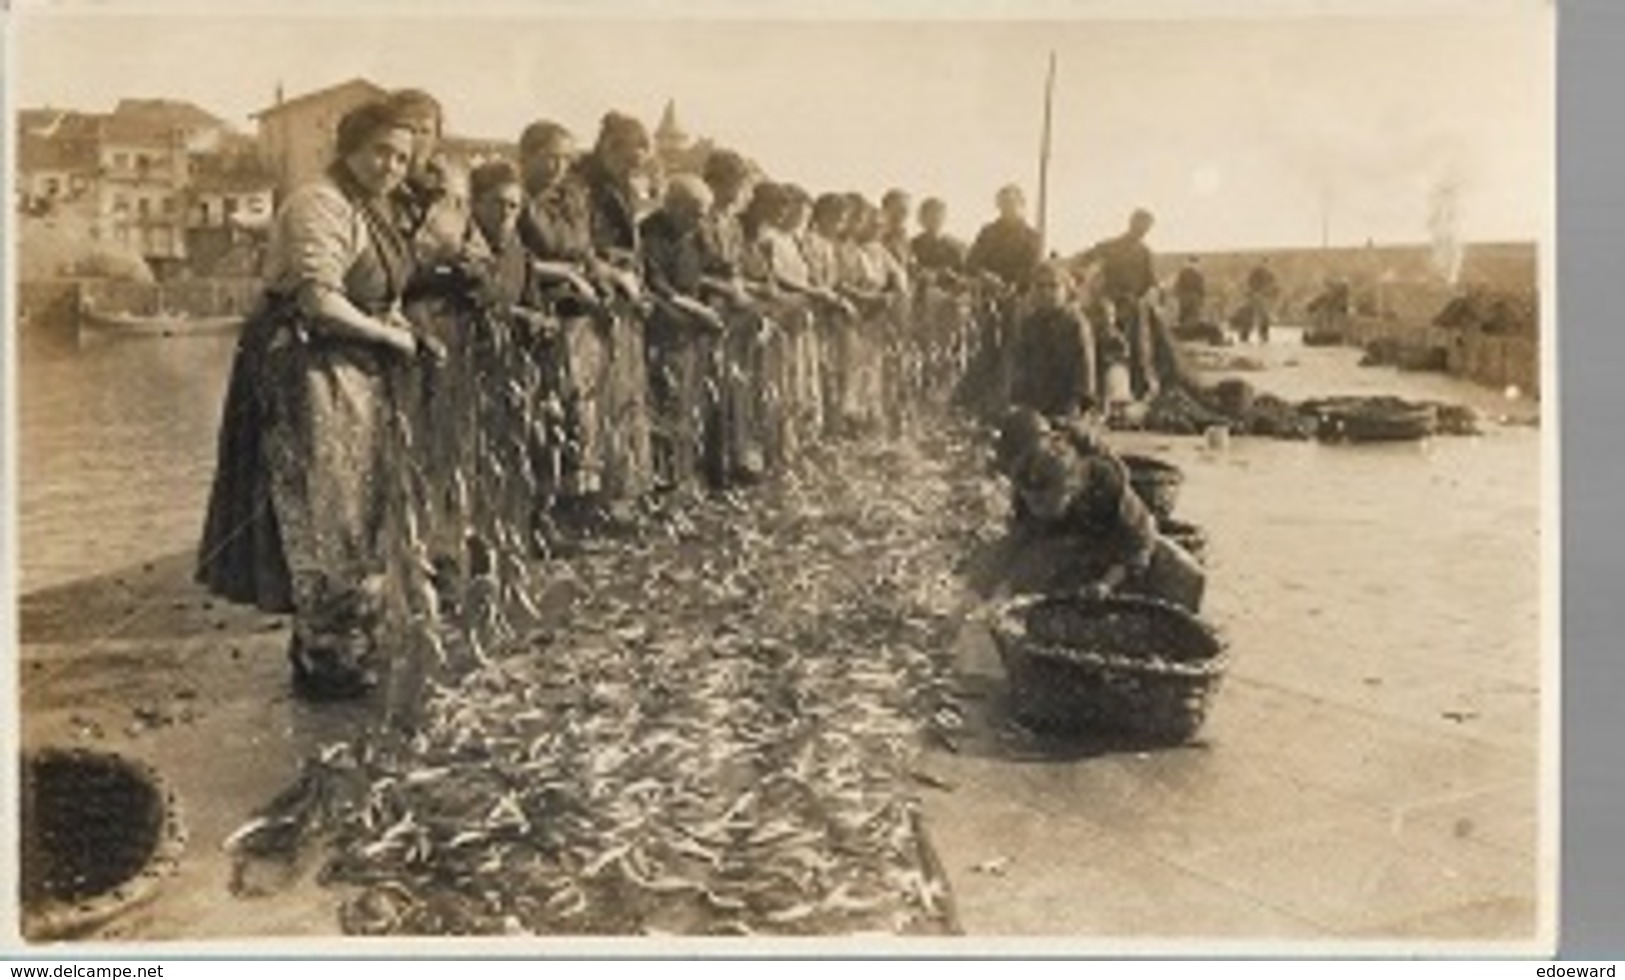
[(1444, 227)]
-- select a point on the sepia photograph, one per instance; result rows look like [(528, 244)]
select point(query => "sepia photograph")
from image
[(976, 477)]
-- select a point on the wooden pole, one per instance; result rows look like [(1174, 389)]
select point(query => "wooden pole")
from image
[(1043, 160)]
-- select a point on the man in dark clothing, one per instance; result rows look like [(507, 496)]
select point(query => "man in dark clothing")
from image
[(1190, 293), (937, 255), (1125, 261), (1262, 290), (1126, 279), (1007, 248)]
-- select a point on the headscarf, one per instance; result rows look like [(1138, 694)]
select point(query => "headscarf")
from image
[(491, 176)]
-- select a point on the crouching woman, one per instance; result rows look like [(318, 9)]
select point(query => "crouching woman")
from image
[(1075, 506)]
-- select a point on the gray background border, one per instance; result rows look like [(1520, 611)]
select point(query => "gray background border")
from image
[(1591, 353)]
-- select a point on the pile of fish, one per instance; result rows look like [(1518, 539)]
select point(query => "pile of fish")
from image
[(713, 733), (1178, 411)]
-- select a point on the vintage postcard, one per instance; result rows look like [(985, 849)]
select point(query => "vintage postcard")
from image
[(1074, 478)]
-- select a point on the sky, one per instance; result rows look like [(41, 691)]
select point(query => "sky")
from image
[(1236, 131)]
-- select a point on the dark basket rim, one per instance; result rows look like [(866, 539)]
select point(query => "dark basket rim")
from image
[(1009, 630), (1142, 467), (62, 919), (1206, 669)]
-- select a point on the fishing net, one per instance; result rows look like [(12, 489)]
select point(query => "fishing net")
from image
[(701, 725)]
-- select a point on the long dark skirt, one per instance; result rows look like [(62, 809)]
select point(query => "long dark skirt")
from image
[(241, 557)]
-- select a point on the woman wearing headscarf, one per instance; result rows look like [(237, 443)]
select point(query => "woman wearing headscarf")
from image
[(299, 500), (873, 282), (432, 200), (620, 155), (762, 353), (556, 229), (507, 352), (682, 332), (431, 205), (734, 450), (775, 222), (822, 247)]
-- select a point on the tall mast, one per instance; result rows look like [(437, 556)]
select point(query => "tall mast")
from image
[(1043, 159)]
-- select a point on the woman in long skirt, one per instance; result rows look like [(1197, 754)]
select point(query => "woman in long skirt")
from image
[(301, 488)]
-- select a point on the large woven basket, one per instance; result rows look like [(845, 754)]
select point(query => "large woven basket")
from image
[(1125, 665), (100, 832), (1155, 481), (1188, 536)]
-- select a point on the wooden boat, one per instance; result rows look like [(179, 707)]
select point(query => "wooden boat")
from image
[(1324, 337), (1374, 419), (96, 322)]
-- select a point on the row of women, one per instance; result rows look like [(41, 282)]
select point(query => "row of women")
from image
[(533, 327)]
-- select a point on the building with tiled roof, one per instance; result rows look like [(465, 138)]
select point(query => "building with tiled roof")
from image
[(296, 136)]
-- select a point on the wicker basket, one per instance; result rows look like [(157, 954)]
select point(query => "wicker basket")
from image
[(1125, 665), (100, 832), (1155, 482), (1188, 536)]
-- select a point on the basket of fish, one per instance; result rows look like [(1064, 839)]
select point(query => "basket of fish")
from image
[(1125, 665), (1155, 481)]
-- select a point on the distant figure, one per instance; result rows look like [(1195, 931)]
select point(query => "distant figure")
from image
[(1329, 311), (939, 257), (1190, 295), (1007, 248), (894, 208), (1262, 289), (1052, 355), (1126, 281)]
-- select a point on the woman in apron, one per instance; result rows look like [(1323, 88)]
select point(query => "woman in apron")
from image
[(299, 500)]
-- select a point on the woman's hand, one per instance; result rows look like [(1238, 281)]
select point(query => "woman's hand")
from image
[(396, 333), (706, 316), (429, 348)]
